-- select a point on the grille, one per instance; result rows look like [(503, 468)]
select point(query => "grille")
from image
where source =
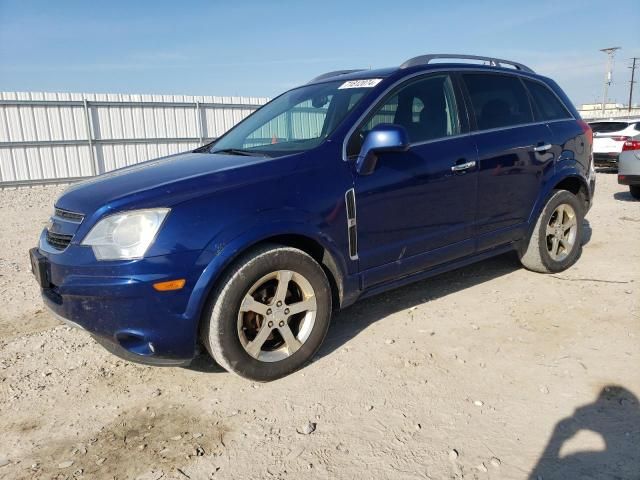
[(58, 240), (67, 215)]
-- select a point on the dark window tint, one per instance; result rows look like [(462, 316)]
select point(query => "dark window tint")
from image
[(545, 104), (426, 108), (498, 100), (608, 127)]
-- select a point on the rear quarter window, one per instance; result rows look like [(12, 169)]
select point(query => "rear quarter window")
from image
[(498, 100), (546, 104)]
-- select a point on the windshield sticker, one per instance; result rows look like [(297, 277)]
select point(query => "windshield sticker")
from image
[(366, 83)]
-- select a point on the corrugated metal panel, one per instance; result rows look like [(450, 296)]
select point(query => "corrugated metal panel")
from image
[(47, 136)]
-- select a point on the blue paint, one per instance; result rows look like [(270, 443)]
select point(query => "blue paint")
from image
[(415, 215)]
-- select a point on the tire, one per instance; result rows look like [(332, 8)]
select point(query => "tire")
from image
[(252, 344), (545, 251), (635, 191)]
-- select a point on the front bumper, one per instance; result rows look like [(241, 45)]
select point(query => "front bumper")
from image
[(116, 303), (118, 350)]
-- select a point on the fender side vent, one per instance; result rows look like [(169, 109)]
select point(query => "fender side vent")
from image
[(352, 231)]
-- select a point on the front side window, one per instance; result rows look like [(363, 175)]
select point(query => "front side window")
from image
[(297, 121), (426, 108), (498, 100), (546, 105)]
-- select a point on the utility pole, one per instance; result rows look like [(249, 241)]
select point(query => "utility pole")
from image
[(633, 71), (611, 51)]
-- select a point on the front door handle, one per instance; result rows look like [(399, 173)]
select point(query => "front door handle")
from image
[(542, 148), (461, 167)]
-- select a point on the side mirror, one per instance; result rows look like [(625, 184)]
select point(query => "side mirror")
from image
[(384, 137)]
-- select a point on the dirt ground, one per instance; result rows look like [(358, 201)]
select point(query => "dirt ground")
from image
[(488, 372)]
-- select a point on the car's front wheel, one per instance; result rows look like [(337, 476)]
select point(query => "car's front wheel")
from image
[(556, 241), (269, 314)]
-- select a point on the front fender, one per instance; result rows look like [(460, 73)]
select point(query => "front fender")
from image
[(229, 245)]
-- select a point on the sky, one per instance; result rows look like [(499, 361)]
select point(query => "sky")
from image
[(261, 48)]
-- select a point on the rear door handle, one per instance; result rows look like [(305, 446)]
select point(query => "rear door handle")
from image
[(461, 167), (542, 148)]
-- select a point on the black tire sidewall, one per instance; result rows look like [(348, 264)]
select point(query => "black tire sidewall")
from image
[(227, 306), (559, 197)]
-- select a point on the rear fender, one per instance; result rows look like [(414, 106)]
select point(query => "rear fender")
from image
[(568, 170)]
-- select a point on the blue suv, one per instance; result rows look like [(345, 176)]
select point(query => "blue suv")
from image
[(358, 182)]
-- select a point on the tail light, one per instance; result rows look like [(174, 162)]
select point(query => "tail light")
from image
[(587, 131), (620, 138), (631, 145)]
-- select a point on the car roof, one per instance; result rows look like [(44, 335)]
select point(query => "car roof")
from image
[(387, 72), (426, 63)]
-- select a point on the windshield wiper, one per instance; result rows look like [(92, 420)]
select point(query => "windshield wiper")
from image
[(239, 151)]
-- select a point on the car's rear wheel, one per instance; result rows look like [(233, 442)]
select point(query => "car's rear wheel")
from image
[(635, 191), (269, 315), (556, 241)]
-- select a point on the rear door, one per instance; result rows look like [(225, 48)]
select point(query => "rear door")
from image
[(514, 152), (568, 140)]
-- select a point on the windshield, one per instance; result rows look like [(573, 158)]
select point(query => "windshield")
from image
[(296, 121)]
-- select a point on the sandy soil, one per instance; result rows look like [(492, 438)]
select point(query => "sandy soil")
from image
[(486, 372)]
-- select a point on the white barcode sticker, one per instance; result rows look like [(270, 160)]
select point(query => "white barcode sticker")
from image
[(365, 83)]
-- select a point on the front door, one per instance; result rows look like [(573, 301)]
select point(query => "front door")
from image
[(417, 208)]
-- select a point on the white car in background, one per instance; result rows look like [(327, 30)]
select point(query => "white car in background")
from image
[(609, 136), (629, 166)]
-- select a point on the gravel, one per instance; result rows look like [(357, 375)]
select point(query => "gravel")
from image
[(544, 348)]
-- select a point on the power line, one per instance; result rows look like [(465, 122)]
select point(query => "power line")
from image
[(611, 51), (631, 82)]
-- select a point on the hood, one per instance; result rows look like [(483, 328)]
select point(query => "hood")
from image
[(172, 178)]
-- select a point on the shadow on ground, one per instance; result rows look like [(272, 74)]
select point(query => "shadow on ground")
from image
[(350, 322), (615, 416), (203, 363), (609, 170), (624, 196)]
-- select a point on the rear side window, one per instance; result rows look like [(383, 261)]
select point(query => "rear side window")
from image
[(545, 104), (608, 127), (498, 100)]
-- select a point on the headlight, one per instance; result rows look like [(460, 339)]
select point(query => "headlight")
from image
[(126, 235)]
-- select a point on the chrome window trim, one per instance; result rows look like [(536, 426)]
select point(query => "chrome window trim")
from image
[(510, 127), (470, 133)]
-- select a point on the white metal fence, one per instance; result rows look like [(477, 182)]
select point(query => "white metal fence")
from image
[(609, 113), (53, 137)]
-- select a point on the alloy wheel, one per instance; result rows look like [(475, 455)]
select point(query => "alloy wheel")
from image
[(277, 315), (561, 232)]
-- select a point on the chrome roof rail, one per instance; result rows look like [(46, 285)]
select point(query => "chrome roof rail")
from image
[(494, 62), (335, 73)]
